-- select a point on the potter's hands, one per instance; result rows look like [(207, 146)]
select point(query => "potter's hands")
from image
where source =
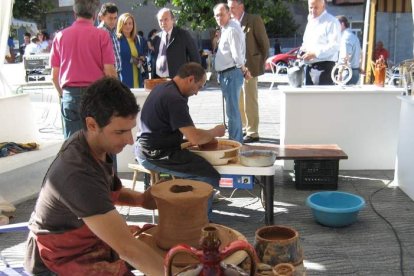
[(218, 131), (137, 230), (148, 201)]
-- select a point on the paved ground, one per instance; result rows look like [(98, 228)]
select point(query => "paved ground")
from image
[(368, 247)]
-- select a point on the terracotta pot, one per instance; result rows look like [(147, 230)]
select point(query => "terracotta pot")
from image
[(379, 76), (182, 211), (149, 84), (284, 269), (278, 244)]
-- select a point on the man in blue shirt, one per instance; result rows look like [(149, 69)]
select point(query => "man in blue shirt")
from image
[(350, 49)]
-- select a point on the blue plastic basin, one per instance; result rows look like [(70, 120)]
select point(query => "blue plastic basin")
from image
[(335, 209)]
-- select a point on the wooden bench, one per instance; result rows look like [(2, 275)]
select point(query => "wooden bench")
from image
[(316, 166)]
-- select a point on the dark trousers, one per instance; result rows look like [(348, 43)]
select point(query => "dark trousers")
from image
[(324, 68)]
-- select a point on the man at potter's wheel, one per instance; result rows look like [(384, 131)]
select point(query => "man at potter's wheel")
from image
[(75, 228), (165, 119)]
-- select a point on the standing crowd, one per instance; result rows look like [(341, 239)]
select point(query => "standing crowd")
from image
[(75, 228)]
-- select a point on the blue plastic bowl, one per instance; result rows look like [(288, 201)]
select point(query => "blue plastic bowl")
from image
[(335, 209)]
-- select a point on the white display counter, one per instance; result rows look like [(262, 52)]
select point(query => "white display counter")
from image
[(127, 154), (404, 172), (361, 120)]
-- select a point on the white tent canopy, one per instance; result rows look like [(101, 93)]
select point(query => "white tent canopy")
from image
[(5, 19), (30, 26)]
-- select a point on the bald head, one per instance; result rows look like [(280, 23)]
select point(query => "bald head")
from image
[(316, 8)]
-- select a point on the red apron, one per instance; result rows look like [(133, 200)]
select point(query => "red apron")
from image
[(80, 252)]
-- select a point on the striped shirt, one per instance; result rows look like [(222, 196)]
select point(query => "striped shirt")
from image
[(115, 42)]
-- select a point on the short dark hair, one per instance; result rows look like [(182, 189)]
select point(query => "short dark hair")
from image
[(86, 8), (28, 34), (343, 19), (108, 8), (191, 69), (105, 98)]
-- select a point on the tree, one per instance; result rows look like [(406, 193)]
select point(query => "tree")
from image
[(33, 10), (198, 14)]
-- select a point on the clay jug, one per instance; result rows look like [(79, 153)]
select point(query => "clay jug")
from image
[(210, 257)]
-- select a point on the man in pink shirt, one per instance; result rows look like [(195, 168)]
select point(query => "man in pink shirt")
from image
[(80, 55)]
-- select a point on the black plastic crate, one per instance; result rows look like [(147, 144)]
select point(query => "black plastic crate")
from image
[(316, 174)]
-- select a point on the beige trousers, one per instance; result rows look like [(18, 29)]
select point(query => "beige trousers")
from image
[(249, 107)]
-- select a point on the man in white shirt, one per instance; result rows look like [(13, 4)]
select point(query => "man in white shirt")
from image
[(230, 66), (257, 48), (350, 49), (321, 43), (33, 48)]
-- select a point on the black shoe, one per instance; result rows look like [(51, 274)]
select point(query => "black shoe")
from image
[(244, 133), (249, 139)]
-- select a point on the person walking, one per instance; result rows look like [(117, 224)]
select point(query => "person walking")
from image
[(257, 49), (230, 66), (321, 42), (350, 49), (80, 55), (131, 58), (173, 46)]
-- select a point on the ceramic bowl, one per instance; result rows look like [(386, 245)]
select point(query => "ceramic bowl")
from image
[(228, 150), (334, 208), (257, 158)]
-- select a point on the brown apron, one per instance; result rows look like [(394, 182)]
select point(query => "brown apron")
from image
[(80, 252)]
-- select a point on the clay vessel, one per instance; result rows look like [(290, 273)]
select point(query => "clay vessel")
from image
[(277, 244), (182, 211), (149, 84), (210, 257), (284, 269)]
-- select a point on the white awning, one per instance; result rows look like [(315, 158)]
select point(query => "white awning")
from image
[(30, 26)]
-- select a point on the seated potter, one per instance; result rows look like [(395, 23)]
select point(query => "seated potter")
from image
[(75, 228), (165, 120)]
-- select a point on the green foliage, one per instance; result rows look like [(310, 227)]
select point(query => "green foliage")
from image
[(198, 14), (33, 10)]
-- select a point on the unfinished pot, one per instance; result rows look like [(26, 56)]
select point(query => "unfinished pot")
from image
[(225, 152), (182, 211)]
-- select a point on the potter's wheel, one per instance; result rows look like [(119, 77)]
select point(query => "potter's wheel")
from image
[(226, 236)]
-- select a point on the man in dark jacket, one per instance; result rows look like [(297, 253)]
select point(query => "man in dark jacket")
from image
[(173, 46)]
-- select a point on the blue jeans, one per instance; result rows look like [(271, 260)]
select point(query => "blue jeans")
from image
[(231, 83), (70, 110), (213, 182), (355, 77)]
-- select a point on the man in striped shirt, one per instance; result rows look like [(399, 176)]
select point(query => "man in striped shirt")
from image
[(108, 15)]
